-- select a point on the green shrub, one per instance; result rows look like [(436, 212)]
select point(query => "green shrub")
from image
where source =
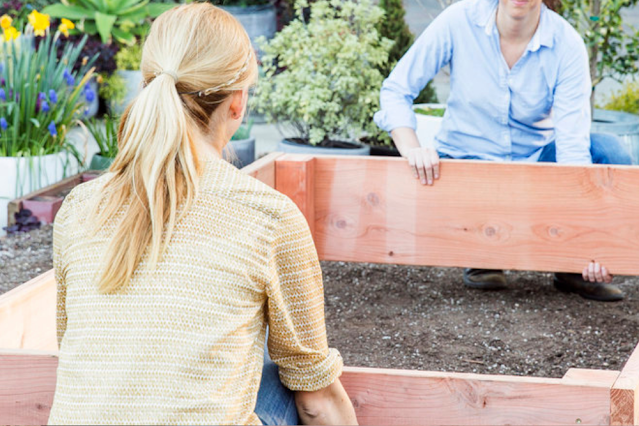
[(626, 99), (322, 75), (394, 27), (112, 87)]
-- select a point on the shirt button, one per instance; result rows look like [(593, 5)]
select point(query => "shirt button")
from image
[(510, 81)]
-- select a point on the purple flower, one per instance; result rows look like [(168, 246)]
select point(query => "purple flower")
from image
[(3, 82), (88, 93), (52, 130), (42, 96), (68, 77), (3, 95), (3, 123), (45, 106), (53, 96)]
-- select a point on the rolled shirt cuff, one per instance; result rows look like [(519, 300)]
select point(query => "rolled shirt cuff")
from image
[(312, 374)]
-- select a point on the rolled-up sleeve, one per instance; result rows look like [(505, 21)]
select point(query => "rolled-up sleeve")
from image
[(297, 340), (571, 107), (432, 50)]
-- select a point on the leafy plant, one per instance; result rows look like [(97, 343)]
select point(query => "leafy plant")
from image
[(626, 99), (322, 75), (433, 112), (112, 87), (105, 135), (129, 57), (104, 53), (394, 27), (121, 20), (244, 132), (25, 221), (613, 45), (241, 3), (40, 95)]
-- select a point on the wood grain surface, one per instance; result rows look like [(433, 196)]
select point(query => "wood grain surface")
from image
[(544, 217), (396, 397), (624, 395), (295, 177), (27, 385), (28, 315), (264, 168)]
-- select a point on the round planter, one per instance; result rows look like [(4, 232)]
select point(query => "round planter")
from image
[(384, 151), (22, 175), (292, 147), (99, 162), (258, 21), (241, 152), (623, 125), (91, 108), (428, 126), (133, 84)]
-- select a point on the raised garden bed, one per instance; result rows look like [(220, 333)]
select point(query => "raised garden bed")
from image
[(372, 210), (45, 203)]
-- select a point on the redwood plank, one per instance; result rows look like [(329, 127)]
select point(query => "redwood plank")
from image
[(295, 177), (545, 217), (624, 395), (396, 397), (264, 168), (28, 315), (393, 397), (27, 386)]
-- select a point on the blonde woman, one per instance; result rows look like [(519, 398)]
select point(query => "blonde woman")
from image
[(171, 266)]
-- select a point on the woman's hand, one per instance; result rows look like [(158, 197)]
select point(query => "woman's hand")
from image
[(595, 272), (328, 406)]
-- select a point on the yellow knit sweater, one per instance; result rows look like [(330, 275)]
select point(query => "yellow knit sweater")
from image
[(184, 343)]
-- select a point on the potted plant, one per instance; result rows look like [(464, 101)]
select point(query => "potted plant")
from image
[(41, 98), (106, 136), (322, 77), (123, 22), (258, 17), (121, 87), (613, 51), (429, 121), (241, 150)]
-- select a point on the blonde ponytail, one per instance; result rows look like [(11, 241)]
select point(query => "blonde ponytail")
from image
[(190, 49)]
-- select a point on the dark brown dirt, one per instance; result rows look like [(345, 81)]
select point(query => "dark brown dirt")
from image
[(423, 318)]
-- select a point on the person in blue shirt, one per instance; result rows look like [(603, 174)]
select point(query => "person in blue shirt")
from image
[(520, 91)]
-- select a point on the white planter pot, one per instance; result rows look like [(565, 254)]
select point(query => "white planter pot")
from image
[(133, 83), (428, 126), (20, 176)]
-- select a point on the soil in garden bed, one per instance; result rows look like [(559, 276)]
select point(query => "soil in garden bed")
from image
[(391, 316)]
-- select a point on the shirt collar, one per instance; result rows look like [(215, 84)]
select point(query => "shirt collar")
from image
[(485, 11)]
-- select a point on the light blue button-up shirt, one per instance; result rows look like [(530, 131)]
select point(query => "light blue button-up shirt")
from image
[(493, 112)]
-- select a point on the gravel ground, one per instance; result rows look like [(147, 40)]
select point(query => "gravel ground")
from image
[(391, 316)]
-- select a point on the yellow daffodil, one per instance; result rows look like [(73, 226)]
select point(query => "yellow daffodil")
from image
[(65, 26), (64, 29), (40, 22), (70, 25), (11, 33), (5, 21)]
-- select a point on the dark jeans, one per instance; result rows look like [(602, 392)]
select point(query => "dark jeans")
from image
[(275, 403)]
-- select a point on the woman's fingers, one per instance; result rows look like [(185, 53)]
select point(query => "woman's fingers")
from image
[(424, 164), (595, 272)]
